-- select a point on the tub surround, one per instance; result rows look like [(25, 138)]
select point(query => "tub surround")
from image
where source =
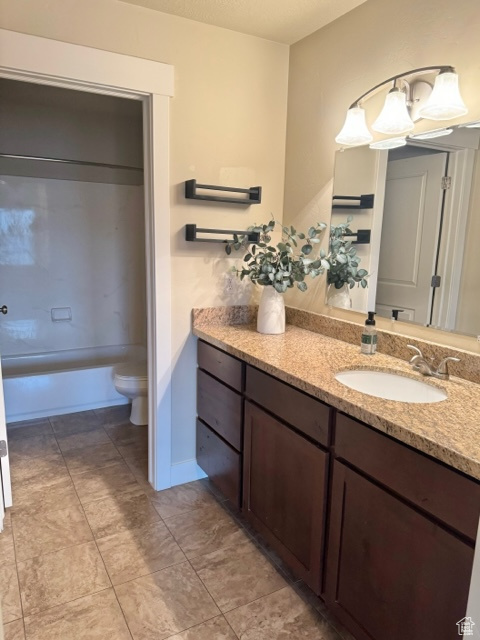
[(309, 360), (42, 385)]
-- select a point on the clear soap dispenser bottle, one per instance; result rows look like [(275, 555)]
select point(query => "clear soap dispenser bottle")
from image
[(369, 335)]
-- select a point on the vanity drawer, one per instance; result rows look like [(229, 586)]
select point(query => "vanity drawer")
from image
[(220, 407), (224, 367), (221, 463), (309, 415), (442, 492)]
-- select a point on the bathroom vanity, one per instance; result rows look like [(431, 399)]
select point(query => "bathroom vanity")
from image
[(381, 528)]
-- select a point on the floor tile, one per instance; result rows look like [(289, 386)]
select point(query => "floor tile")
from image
[(136, 450), (128, 433), (81, 460), (32, 447), (160, 605), (278, 616), (138, 552), (204, 530), (100, 483), (9, 593), (120, 513), (309, 597), (215, 629), (181, 499), (45, 583), (32, 497), (7, 550), (237, 575), (71, 441), (14, 630), (51, 531), (43, 470), (109, 416), (75, 422), (28, 428), (139, 467), (94, 617)]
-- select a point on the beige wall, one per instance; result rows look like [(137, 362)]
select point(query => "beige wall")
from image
[(332, 67), (228, 126)]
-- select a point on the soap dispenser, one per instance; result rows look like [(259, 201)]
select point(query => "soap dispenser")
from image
[(369, 335)]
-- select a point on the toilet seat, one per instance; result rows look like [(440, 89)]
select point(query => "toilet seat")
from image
[(132, 370)]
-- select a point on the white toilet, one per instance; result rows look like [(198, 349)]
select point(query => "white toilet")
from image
[(131, 381)]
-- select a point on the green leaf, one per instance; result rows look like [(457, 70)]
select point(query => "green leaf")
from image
[(228, 249), (247, 257), (306, 249), (364, 284), (302, 286)]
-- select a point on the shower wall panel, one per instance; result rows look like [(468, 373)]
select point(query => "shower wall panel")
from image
[(72, 265)]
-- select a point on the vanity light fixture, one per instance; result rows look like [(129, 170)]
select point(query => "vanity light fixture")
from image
[(407, 101)]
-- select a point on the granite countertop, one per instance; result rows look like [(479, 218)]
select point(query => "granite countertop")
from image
[(447, 430)]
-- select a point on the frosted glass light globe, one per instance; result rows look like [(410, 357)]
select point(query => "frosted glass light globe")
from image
[(355, 130), (394, 117), (445, 101)]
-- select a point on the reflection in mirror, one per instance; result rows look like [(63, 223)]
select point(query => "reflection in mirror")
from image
[(424, 226)]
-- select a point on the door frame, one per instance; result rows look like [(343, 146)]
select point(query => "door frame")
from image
[(50, 62), (461, 163)]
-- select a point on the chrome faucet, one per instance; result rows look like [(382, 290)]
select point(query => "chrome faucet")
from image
[(426, 368)]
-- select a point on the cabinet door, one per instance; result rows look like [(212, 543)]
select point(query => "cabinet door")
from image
[(392, 572), (284, 492)]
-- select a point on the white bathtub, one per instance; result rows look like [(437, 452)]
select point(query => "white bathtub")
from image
[(48, 384)]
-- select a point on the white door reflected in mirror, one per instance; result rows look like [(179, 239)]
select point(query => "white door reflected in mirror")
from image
[(421, 259)]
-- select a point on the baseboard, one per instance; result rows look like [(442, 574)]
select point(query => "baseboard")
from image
[(187, 471)]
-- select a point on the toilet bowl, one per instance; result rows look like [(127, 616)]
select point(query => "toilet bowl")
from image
[(130, 379)]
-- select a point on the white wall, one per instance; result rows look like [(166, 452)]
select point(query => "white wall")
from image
[(228, 126), (71, 244)]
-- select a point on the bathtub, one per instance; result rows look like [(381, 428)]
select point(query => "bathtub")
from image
[(47, 384)]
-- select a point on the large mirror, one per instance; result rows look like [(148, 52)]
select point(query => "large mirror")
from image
[(413, 218)]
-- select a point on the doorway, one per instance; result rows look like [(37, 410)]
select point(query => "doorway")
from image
[(44, 61)]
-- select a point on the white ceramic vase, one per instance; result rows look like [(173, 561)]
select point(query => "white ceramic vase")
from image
[(271, 312), (339, 298)]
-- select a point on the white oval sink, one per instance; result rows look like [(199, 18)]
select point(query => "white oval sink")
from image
[(391, 386)]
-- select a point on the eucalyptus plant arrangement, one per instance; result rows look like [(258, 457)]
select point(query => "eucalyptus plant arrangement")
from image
[(285, 264), (343, 260)]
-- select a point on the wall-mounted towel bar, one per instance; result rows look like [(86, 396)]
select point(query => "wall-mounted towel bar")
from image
[(191, 231), (254, 193), (362, 236), (364, 201)]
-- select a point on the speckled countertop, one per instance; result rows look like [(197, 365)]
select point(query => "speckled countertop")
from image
[(447, 430)]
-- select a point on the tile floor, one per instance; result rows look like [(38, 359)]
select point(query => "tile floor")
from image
[(91, 552)]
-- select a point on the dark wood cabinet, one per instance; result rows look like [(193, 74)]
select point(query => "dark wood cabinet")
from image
[(392, 572), (221, 463), (384, 533), (220, 381), (284, 492)]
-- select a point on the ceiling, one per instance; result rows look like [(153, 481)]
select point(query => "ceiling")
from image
[(285, 21)]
